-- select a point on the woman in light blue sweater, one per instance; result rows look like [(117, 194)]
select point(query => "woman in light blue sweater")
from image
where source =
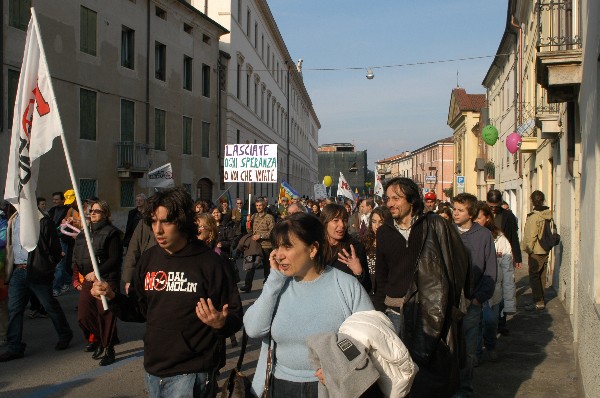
[(307, 297)]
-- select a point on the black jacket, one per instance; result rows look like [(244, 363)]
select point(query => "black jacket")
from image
[(133, 218), (42, 261), (108, 249), (431, 309), (165, 291), (227, 237), (361, 253)]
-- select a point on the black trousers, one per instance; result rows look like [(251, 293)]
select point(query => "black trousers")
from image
[(93, 319), (266, 269)]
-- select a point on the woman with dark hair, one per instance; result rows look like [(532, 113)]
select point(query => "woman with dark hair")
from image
[(225, 237), (108, 249), (315, 209), (302, 297), (505, 285), (343, 251), (378, 217)]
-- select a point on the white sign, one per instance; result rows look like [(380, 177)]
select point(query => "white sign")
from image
[(161, 177), (320, 191), (250, 163), (430, 179)]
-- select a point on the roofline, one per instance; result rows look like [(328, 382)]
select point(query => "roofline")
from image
[(223, 30)]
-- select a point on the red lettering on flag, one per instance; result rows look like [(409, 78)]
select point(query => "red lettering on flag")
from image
[(43, 107)]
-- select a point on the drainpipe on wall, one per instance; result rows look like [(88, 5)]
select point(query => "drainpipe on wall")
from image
[(219, 126), (519, 93), (2, 53)]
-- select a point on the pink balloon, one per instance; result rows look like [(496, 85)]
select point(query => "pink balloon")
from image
[(513, 142)]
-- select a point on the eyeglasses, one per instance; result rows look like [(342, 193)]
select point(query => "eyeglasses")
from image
[(238, 203), (96, 211)]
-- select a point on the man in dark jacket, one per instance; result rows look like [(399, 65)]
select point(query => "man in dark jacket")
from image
[(189, 310), (507, 222), (133, 218), (32, 273), (421, 270)]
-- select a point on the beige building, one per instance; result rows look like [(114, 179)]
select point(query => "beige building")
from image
[(433, 167), (136, 88), (266, 99), (395, 166), (556, 110), (463, 118)]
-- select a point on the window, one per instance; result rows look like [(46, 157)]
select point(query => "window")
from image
[(159, 129), (187, 72), (87, 114), (87, 188), (205, 140), (162, 14), (87, 31), (268, 55), (19, 13), (247, 90), (205, 80), (187, 136), (239, 10), (160, 60), (256, 97), (255, 34), (248, 21), (127, 120), (239, 78), (13, 82), (188, 188), (262, 46), (127, 47), (205, 39), (127, 199), (188, 29)]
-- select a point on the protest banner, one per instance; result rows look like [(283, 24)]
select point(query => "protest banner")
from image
[(161, 177), (320, 191), (250, 163)]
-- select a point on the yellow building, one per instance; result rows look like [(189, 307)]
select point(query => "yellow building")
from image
[(463, 118)]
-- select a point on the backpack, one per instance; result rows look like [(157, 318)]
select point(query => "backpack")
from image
[(550, 237)]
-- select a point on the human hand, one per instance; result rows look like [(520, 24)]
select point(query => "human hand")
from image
[(475, 302), (351, 260), (91, 277), (101, 288), (255, 237), (209, 315), (320, 376), (273, 262), (79, 287), (219, 244), (518, 265), (127, 287)]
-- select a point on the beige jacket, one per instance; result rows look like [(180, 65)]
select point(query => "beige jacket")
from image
[(534, 227), (262, 224)]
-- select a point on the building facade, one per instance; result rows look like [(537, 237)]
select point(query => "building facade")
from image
[(394, 166), (464, 119), (556, 111), (266, 99), (433, 167), (136, 86), (343, 157)]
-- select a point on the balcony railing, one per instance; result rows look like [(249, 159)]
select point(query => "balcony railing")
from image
[(555, 26), (490, 171), (132, 156)]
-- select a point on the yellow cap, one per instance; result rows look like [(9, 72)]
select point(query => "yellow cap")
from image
[(69, 196)]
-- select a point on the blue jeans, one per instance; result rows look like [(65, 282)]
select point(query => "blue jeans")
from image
[(489, 328), (471, 327), (289, 389), (61, 276), (19, 290), (397, 321), (191, 385)]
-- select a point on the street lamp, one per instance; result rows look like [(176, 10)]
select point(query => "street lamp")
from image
[(370, 74)]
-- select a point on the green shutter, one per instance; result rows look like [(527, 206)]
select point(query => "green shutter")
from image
[(13, 83), (87, 115), (87, 31), (127, 121), (205, 140), (187, 136), (159, 129)]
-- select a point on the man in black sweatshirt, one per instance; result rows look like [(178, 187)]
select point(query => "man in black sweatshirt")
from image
[(183, 291)]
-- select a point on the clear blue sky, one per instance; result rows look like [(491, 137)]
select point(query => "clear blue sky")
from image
[(402, 108)]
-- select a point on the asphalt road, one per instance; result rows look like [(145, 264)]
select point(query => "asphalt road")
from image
[(44, 372)]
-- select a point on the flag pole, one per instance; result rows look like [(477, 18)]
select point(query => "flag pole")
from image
[(71, 172)]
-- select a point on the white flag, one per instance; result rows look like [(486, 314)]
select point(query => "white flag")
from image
[(36, 123), (378, 190), (161, 177), (344, 188)]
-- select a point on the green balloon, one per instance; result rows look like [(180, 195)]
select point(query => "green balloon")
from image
[(490, 134)]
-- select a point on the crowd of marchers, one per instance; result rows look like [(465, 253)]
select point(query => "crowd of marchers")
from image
[(400, 296)]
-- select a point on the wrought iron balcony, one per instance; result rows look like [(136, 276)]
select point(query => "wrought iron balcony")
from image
[(132, 158), (490, 171), (559, 50)]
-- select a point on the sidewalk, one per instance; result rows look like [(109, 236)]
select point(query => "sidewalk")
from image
[(536, 359)]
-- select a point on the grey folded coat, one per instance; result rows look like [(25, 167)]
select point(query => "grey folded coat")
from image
[(345, 363)]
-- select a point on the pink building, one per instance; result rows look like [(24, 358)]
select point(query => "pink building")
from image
[(433, 167)]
